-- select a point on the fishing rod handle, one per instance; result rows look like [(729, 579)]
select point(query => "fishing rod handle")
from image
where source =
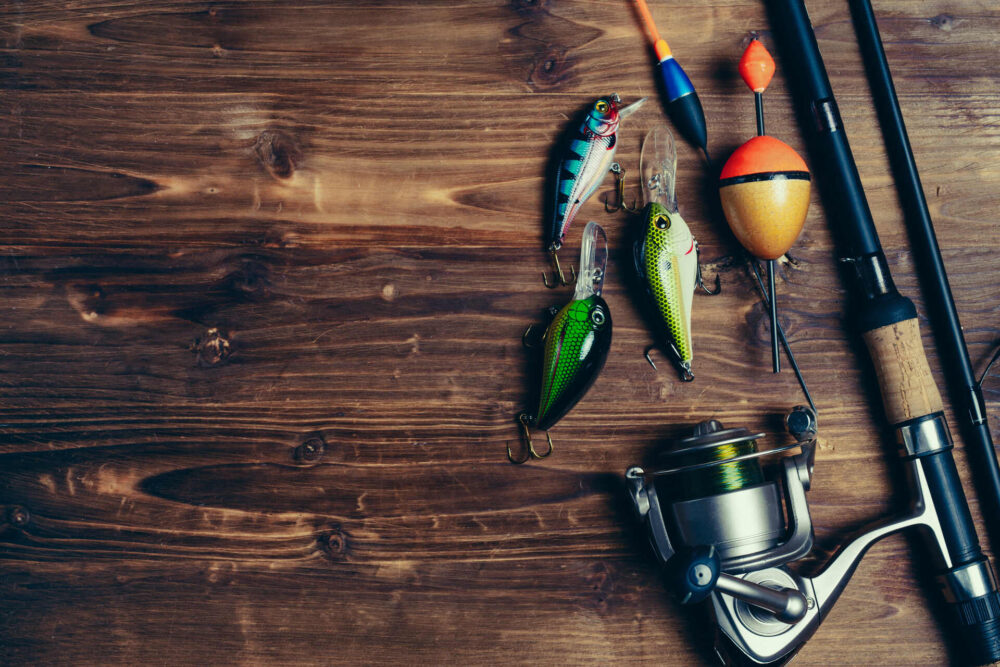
[(914, 406), (908, 388)]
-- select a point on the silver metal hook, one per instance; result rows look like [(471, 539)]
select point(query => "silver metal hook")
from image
[(699, 281)]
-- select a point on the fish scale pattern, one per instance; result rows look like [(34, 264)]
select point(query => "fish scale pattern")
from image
[(582, 172), (663, 250), (583, 167), (568, 341)]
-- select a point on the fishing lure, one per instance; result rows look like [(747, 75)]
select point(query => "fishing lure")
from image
[(666, 254), (576, 344), (582, 167)]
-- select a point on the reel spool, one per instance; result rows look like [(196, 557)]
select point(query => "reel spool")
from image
[(715, 492), (718, 496), (727, 517)]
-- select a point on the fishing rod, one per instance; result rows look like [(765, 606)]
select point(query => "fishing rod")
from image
[(967, 395), (888, 323)]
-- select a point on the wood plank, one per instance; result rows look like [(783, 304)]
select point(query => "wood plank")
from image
[(266, 266)]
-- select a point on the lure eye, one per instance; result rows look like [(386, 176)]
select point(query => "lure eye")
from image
[(601, 106), (597, 317), (662, 222)]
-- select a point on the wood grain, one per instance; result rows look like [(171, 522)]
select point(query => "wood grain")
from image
[(265, 267)]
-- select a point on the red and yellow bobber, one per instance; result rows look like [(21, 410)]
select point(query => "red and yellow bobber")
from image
[(764, 186)]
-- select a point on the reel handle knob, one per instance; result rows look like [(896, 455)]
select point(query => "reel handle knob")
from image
[(787, 604), (692, 573)]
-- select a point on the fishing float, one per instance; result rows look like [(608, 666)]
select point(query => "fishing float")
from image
[(764, 187), (677, 93)]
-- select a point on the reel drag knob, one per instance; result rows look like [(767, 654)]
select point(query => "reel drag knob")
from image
[(692, 573)]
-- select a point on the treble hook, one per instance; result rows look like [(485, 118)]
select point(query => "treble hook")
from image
[(682, 368), (620, 204), (699, 281), (531, 453), (560, 276), (529, 343)]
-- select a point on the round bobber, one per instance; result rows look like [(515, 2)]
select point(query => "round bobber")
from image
[(764, 186)]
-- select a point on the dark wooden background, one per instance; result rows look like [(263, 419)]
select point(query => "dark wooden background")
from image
[(265, 267)]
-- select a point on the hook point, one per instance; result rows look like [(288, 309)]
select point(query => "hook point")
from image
[(535, 454), (649, 358)]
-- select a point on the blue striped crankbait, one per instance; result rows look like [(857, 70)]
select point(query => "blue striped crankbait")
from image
[(589, 154)]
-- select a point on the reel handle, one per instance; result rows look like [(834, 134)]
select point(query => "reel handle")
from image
[(695, 573), (787, 604)]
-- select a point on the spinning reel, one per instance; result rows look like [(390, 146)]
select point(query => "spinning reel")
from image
[(727, 519)]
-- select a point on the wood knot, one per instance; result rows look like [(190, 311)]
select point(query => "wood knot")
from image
[(211, 349), (944, 22), (310, 451), (271, 238), (18, 516), (278, 153), (250, 282), (90, 301), (550, 69), (334, 544)]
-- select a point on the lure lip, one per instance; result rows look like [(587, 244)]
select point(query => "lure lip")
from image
[(593, 262), (626, 111), (658, 167)]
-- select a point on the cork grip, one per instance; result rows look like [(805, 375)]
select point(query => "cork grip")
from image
[(908, 389)]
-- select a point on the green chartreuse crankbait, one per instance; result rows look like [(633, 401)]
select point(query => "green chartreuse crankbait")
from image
[(576, 344), (666, 254)]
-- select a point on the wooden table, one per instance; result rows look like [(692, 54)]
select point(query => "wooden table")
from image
[(265, 269)]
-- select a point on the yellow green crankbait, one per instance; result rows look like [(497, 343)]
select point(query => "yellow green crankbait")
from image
[(666, 254)]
